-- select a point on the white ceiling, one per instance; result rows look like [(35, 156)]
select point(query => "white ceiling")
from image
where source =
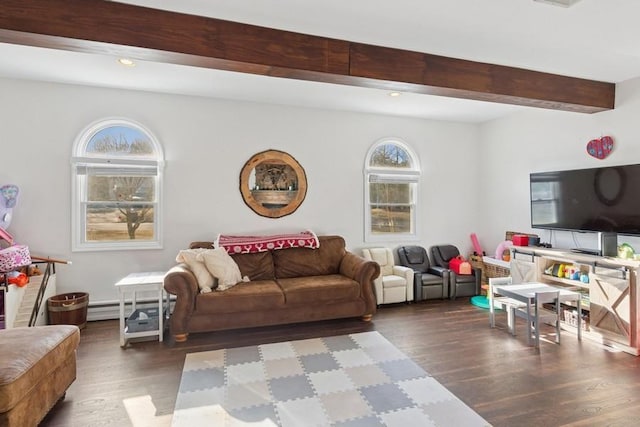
[(594, 39)]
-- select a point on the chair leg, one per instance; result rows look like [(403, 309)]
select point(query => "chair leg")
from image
[(529, 324)]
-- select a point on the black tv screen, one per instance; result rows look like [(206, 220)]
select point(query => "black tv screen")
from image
[(598, 199)]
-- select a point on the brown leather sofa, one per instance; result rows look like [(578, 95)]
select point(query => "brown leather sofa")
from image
[(286, 286)]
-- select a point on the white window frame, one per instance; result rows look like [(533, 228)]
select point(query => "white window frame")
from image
[(83, 161), (386, 174)]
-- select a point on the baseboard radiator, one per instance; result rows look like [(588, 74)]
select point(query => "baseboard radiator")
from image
[(110, 310)]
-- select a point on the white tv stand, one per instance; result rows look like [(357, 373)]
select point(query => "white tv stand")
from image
[(611, 302)]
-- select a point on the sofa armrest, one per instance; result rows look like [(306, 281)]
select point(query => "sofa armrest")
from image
[(445, 273), (439, 271), (408, 275), (364, 272), (182, 283)]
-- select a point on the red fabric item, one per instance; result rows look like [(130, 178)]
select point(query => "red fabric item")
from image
[(20, 280), (252, 244), (460, 266)]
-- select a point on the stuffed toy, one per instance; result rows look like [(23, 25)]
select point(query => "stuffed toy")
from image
[(18, 279)]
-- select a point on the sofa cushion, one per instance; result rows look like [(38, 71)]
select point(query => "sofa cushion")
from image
[(244, 297), (442, 254), (298, 262), (222, 267), (314, 289), (197, 267), (257, 266), (384, 257), (415, 255), (393, 281)]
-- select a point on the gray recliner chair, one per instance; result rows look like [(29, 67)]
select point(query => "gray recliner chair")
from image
[(428, 282), (459, 285)]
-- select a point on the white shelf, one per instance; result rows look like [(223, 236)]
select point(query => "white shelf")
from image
[(569, 282), (609, 278), (141, 282)]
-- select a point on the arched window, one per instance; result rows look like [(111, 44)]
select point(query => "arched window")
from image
[(392, 175), (116, 182)]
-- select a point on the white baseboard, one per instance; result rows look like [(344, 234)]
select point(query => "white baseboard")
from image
[(103, 312)]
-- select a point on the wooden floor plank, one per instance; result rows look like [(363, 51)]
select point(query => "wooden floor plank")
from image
[(499, 376)]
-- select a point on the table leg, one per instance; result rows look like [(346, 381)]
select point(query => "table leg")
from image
[(529, 322), (578, 303), (536, 329), (511, 319), (160, 314), (492, 319), (122, 340)]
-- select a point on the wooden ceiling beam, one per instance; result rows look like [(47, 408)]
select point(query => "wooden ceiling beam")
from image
[(105, 27)]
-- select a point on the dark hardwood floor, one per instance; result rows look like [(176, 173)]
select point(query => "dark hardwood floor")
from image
[(499, 376)]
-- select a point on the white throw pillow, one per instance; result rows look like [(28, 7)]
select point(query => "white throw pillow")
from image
[(204, 278), (222, 267)]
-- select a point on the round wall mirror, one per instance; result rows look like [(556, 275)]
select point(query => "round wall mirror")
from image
[(273, 184)]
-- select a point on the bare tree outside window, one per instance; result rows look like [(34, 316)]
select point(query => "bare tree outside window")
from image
[(390, 207), (124, 196), (390, 155), (391, 179), (117, 184)]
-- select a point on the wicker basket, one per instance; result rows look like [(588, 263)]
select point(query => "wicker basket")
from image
[(476, 262), (571, 318), (491, 270)]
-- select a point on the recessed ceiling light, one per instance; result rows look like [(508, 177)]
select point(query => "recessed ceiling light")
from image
[(562, 3), (394, 94), (127, 62)]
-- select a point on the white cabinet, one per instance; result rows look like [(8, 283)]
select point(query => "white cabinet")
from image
[(610, 301), (523, 268), (611, 306)]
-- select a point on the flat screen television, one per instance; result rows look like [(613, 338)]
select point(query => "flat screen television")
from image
[(603, 199)]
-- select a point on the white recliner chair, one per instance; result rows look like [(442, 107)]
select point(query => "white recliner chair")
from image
[(395, 283)]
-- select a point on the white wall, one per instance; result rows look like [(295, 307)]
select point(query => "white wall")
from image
[(544, 140), (206, 143)]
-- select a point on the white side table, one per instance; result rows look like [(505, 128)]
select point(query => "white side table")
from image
[(141, 282)]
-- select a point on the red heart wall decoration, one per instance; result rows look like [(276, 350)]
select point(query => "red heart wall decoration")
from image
[(600, 148)]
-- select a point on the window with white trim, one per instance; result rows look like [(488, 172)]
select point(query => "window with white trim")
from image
[(117, 187), (392, 175)]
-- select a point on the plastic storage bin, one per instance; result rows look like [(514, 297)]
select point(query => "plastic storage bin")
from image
[(146, 319)]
